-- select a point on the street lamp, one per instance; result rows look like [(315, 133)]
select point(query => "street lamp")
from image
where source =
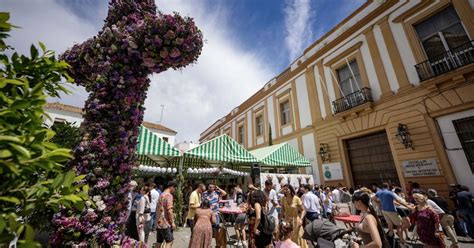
[(324, 151), (403, 135)]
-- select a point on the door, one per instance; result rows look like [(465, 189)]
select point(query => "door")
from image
[(371, 160)]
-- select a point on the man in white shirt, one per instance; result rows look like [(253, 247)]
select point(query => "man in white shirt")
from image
[(337, 194), (311, 204), (154, 199), (272, 199)]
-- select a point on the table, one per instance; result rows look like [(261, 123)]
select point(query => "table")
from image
[(226, 210), (349, 221)]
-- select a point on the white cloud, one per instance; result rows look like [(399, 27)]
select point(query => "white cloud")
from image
[(298, 29), (194, 98)]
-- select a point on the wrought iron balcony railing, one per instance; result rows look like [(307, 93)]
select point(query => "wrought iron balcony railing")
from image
[(446, 62), (352, 100)]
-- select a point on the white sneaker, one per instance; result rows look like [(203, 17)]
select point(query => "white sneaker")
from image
[(239, 244), (245, 244)]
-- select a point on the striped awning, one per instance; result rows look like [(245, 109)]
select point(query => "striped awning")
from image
[(150, 145), (282, 155), (222, 149)]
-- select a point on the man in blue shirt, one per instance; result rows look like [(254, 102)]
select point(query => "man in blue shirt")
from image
[(385, 198), (465, 208), (213, 195)]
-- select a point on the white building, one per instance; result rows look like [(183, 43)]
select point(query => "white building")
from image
[(59, 112)]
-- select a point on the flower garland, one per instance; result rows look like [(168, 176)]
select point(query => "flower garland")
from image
[(114, 67)]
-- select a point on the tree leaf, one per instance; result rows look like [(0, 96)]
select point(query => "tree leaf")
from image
[(33, 52), (57, 181), (5, 154), (10, 138), (73, 198), (20, 104), (69, 178), (22, 150), (10, 199), (43, 47), (3, 224), (29, 233)]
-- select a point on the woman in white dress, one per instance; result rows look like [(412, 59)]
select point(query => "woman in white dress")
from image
[(143, 215)]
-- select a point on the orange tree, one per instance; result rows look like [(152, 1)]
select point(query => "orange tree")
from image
[(33, 178)]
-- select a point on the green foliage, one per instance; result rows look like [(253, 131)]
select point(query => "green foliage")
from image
[(67, 135), (31, 166), (178, 205)]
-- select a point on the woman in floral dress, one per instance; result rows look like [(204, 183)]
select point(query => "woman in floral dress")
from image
[(427, 223), (293, 211), (201, 236)]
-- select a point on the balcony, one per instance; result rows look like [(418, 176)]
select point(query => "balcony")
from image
[(352, 100), (446, 62)]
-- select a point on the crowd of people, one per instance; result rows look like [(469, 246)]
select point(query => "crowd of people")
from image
[(271, 218)]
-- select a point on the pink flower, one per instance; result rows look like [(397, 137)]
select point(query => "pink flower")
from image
[(164, 53), (170, 34), (175, 53), (148, 62)]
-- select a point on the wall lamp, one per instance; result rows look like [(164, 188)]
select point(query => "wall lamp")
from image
[(403, 135), (324, 151)]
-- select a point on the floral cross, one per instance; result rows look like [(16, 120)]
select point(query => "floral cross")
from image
[(114, 66)]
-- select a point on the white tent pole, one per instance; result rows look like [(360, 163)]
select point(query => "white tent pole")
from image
[(324, 86), (337, 83), (353, 75)]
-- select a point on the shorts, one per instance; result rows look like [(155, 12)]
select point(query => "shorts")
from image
[(218, 222), (165, 235), (392, 217), (403, 212), (311, 216)]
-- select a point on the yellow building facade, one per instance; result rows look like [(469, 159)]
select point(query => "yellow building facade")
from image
[(386, 95)]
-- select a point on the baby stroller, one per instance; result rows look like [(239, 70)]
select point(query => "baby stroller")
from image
[(324, 233)]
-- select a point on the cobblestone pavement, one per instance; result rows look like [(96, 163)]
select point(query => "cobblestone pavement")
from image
[(183, 235)]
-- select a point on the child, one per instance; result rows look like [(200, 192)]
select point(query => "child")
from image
[(285, 241)]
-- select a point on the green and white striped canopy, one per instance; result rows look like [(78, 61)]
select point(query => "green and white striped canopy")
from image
[(152, 146), (281, 155), (222, 149)]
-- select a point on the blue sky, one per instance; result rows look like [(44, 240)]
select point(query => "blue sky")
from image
[(256, 25), (248, 42)]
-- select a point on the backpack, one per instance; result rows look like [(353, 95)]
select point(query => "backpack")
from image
[(268, 223), (345, 197)]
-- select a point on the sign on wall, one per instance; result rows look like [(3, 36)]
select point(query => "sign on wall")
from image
[(332, 171), (420, 168)]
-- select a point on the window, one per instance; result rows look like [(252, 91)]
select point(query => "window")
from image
[(349, 78), (240, 135), (165, 139), (441, 32), (285, 112), (259, 125), (465, 131)]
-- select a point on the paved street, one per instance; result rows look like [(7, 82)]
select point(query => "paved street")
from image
[(182, 238)]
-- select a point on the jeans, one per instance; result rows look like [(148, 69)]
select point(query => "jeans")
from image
[(312, 216), (152, 221), (468, 216)]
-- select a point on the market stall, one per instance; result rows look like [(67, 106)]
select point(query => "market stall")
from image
[(285, 159), (155, 155), (221, 156)]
